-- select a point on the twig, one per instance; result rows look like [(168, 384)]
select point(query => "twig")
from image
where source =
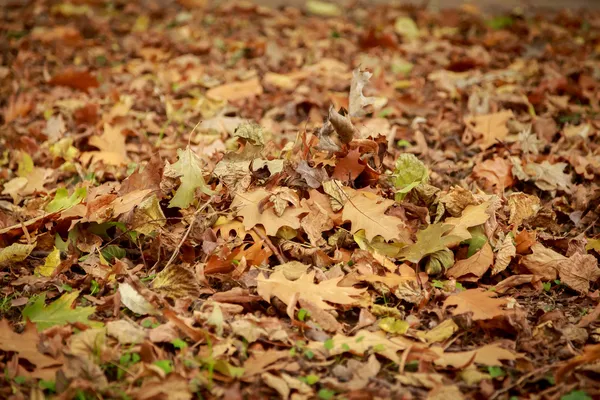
[(271, 246), (187, 232)]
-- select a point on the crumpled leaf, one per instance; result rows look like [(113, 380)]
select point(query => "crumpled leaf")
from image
[(252, 132), (394, 326), (125, 331), (548, 176), (579, 271), (135, 301), (52, 261), (483, 304), (440, 333), (188, 168), (59, 312), (543, 262), (367, 211), (439, 261), (408, 174), (303, 288), (504, 255), (357, 101), (15, 252), (522, 206), (63, 201), (148, 216)]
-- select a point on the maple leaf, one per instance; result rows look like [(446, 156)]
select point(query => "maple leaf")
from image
[(496, 173), (59, 312), (367, 211), (112, 147), (429, 240), (490, 128), (76, 79), (176, 281), (363, 341), (247, 205), (476, 265), (489, 355), (548, 176), (26, 346), (52, 261), (236, 90), (188, 168), (482, 303), (303, 288), (472, 215)]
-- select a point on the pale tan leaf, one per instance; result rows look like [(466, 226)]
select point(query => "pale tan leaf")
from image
[(543, 262), (304, 288), (522, 206), (476, 265), (247, 205), (367, 211), (471, 216), (504, 255), (579, 271), (236, 90), (490, 128), (483, 304), (488, 355)]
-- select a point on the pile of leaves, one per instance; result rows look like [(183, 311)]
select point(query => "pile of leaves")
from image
[(242, 202)]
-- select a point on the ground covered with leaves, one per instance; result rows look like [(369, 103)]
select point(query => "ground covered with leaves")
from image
[(323, 203)]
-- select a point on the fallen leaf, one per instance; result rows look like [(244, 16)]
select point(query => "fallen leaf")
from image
[(496, 173), (188, 169), (112, 147), (483, 304), (51, 262), (358, 101), (429, 240), (579, 271), (76, 79), (323, 8), (303, 288), (440, 333), (367, 211), (236, 90), (135, 301), (543, 262), (522, 207), (504, 255), (15, 252), (548, 176), (62, 200), (247, 205), (59, 312), (472, 215), (349, 167), (490, 128), (476, 265), (177, 281), (125, 331), (489, 355)]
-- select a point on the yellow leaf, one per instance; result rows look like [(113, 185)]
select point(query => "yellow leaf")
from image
[(490, 127), (15, 252), (52, 261), (472, 216), (489, 355), (476, 265), (176, 281), (111, 144), (443, 331)]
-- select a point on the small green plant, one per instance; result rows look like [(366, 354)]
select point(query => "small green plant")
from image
[(547, 286), (576, 395), (496, 372), (309, 379), (302, 314), (165, 365), (326, 394)]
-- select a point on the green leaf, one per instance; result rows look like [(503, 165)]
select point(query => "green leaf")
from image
[(190, 172), (63, 201), (496, 371), (165, 365), (576, 395), (179, 343), (302, 314), (500, 22), (326, 394), (309, 379), (112, 251), (547, 286), (15, 252), (439, 261), (52, 261), (429, 240), (478, 239), (59, 312), (407, 28), (409, 173), (328, 344)]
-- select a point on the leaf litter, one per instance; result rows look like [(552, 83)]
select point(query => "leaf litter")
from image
[(381, 202)]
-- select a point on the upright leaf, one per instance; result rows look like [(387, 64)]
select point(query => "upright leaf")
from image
[(190, 172)]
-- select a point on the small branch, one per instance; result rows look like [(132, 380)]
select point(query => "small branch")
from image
[(187, 232), (271, 246)]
